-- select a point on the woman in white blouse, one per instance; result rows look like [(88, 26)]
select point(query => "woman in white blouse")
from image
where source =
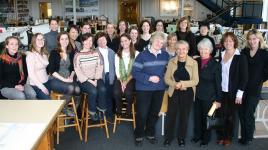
[(37, 61), (124, 85)]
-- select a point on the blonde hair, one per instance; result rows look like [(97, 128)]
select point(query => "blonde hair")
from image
[(258, 34)]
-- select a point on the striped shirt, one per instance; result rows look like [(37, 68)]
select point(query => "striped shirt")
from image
[(147, 64), (87, 65)]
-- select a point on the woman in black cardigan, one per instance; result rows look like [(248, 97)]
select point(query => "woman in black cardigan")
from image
[(61, 67), (257, 55), (184, 33), (208, 90), (234, 81)]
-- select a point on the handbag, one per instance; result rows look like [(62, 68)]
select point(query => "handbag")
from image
[(213, 121)]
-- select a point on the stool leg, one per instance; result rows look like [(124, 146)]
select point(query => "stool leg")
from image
[(133, 116), (58, 130), (86, 125), (76, 119), (105, 123), (115, 120), (83, 111)]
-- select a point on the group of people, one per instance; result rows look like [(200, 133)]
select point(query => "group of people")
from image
[(125, 60)]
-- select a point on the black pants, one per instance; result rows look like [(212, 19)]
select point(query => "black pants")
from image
[(128, 94), (201, 108), (246, 116), (180, 102), (148, 107), (228, 112)]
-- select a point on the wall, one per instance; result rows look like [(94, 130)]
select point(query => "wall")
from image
[(109, 8)]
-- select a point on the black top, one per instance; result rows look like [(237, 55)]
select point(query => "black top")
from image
[(143, 44), (181, 72), (200, 37), (238, 74), (209, 85), (10, 74), (138, 46), (113, 43), (54, 62), (257, 70), (190, 38)]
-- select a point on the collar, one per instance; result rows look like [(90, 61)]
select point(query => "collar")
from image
[(237, 52), (158, 52)]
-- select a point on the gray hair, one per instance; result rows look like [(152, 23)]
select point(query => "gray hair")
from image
[(205, 43), (182, 42), (157, 35)]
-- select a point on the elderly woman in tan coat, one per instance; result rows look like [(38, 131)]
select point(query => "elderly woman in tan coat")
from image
[(181, 77)]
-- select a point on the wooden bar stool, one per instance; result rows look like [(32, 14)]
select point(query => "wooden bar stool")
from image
[(121, 118), (64, 117), (85, 118)]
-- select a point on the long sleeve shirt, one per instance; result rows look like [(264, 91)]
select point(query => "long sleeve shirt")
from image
[(37, 65), (88, 65)]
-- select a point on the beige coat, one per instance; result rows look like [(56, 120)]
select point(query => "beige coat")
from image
[(191, 67)]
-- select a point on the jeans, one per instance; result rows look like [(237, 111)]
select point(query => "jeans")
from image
[(148, 107), (96, 95), (40, 94), (64, 87), (109, 99), (13, 93)]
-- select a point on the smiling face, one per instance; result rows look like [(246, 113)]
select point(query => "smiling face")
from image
[(12, 46), (40, 42), (204, 52), (122, 26), (159, 27), (183, 25), (204, 30), (86, 29), (172, 41), (157, 44), (125, 42), (54, 25), (254, 41), (102, 42), (87, 44), (145, 27), (73, 34), (64, 41), (134, 34), (182, 50), (110, 29), (229, 43)]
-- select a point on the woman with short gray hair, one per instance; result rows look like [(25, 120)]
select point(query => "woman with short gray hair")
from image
[(208, 90)]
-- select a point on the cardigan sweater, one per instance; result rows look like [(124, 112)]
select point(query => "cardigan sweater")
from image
[(111, 56), (192, 69)]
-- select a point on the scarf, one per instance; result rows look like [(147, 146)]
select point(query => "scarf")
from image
[(5, 58), (124, 74)]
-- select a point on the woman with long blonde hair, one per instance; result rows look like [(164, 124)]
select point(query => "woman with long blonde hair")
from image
[(257, 55)]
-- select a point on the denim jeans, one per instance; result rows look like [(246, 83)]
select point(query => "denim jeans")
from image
[(109, 99), (96, 95), (148, 107), (59, 86), (40, 94), (13, 93)]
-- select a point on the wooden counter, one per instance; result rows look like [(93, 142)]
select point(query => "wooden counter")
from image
[(32, 119)]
